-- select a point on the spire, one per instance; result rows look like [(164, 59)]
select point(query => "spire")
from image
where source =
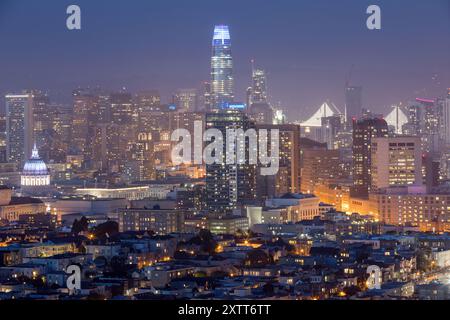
[(35, 152)]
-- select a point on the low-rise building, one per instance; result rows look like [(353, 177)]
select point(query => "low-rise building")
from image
[(159, 221), (11, 208), (227, 224)]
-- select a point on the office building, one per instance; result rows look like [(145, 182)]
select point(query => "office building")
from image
[(161, 222), (363, 132), (259, 87), (396, 161), (446, 120), (19, 127), (186, 100), (228, 225), (353, 102), (261, 113), (287, 178), (228, 185), (414, 206), (222, 80), (320, 166)]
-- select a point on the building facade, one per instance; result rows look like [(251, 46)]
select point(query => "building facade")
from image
[(222, 80), (161, 222), (396, 161), (19, 127), (363, 132)]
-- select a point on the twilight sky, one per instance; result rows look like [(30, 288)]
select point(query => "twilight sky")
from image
[(307, 47)]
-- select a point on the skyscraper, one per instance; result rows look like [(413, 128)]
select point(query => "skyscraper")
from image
[(124, 120), (319, 167), (446, 119), (122, 109), (364, 131), (186, 100), (221, 67), (259, 86), (353, 102), (258, 108), (228, 185), (287, 178), (19, 127), (42, 116), (432, 115), (85, 104)]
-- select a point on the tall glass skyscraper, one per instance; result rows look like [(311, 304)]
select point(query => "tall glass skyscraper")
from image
[(221, 67), (19, 127), (229, 185), (259, 86)]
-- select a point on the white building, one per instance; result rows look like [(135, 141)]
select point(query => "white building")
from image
[(298, 206), (156, 191), (35, 173)]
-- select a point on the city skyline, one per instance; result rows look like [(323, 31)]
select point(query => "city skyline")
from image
[(145, 153), (313, 59)]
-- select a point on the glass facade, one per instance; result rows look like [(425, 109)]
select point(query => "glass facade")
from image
[(221, 67)]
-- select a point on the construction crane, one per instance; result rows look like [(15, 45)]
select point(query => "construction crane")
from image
[(349, 76)]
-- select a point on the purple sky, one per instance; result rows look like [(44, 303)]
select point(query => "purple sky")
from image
[(307, 47)]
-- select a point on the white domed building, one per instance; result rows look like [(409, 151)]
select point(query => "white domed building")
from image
[(35, 174)]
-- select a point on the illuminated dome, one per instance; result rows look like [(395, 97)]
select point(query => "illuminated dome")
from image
[(35, 171)]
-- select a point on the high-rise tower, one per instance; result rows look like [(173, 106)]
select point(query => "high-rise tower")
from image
[(259, 86), (353, 102), (229, 185), (364, 131), (221, 67), (19, 127)]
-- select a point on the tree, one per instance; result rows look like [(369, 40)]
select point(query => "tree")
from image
[(257, 258), (109, 228), (289, 247), (118, 266), (80, 226), (424, 260), (205, 240)]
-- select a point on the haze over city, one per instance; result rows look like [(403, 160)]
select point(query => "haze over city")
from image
[(210, 152), (307, 48)]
